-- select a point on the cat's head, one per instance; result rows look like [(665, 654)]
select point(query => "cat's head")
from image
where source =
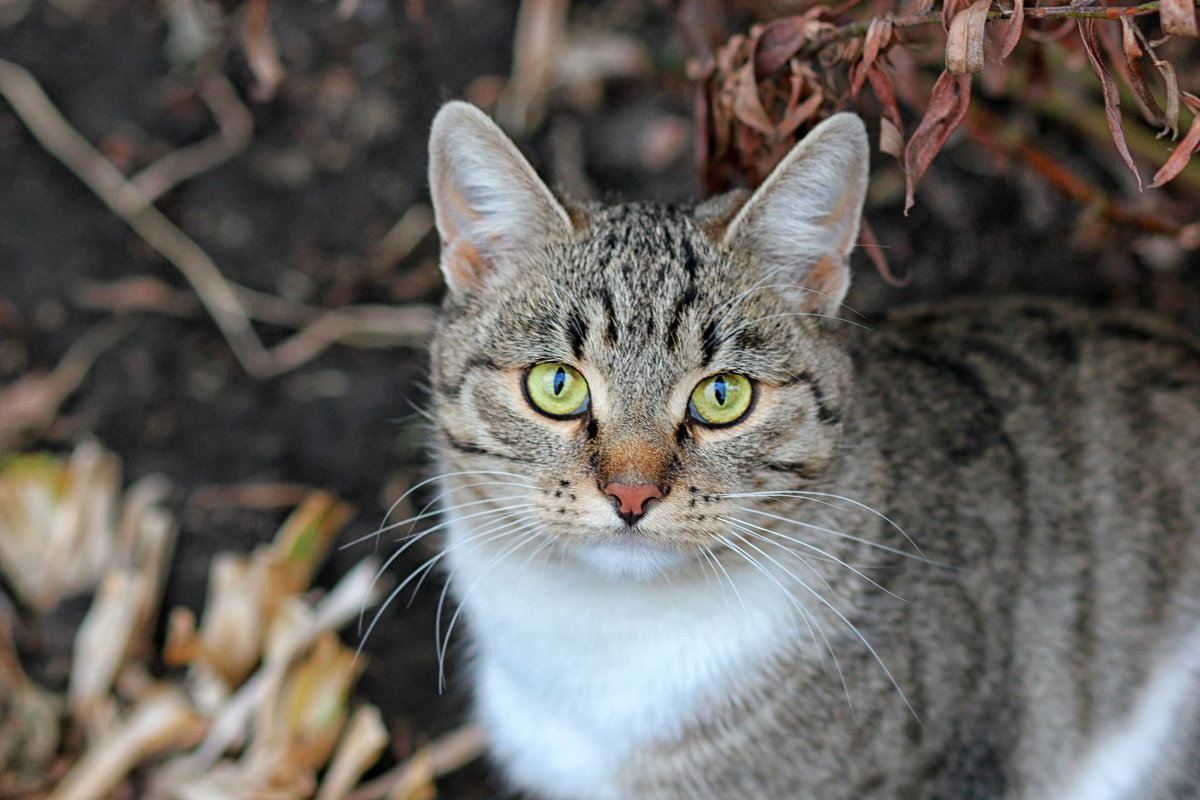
[(610, 375)]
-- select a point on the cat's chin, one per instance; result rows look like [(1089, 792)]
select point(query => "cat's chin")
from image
[(630, 556)]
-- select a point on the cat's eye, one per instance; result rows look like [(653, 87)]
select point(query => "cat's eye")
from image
[(721, 399), (557, 390)]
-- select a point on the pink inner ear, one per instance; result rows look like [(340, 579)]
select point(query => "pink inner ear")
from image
[(831, 278), (465, 267)]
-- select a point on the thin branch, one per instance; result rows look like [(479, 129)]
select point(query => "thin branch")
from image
[(231, 306), (444, 755), (235, 124), (856, 29), (52, 130)]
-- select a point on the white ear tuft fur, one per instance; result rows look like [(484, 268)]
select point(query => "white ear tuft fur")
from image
[(490, 205), (804, 219)]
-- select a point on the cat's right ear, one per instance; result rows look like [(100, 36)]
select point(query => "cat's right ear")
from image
[(802, 223), (491, 207)]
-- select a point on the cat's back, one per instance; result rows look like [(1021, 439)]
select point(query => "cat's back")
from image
[(1098, 387), (1049, 454)]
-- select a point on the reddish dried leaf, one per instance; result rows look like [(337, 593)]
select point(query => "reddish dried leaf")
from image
[(891, 140), (1172, 114), (949, 9), (1167, 70), (964, 42), (891, 126), (1126, 59), (1112, 103), (747, 106), (947, 106), (800, 113), (879, 35), (777, 41), (881, 84), (1132, 52), (1183, 151), (1012, 33), (1178, 17)]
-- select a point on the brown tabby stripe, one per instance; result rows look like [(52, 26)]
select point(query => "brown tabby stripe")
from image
[(826, 414), (474, 449)]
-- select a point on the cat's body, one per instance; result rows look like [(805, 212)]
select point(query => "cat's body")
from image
[(956, 555)]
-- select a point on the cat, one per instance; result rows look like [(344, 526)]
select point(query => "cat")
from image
[(713, 539)]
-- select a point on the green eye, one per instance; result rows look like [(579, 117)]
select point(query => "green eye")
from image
[(556, 390), (721, 399)]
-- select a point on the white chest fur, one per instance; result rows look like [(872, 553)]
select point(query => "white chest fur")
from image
[(576, 671)]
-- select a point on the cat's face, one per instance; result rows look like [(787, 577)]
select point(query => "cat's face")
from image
[(613, 376)]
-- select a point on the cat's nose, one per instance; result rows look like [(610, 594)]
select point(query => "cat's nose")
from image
[(631, 498)]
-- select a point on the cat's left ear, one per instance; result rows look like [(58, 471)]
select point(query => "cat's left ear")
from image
[(803, 221), (491, 207)]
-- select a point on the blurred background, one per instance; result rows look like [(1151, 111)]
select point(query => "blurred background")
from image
[(277, 150)]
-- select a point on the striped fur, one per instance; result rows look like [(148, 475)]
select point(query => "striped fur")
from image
[(954, 555)]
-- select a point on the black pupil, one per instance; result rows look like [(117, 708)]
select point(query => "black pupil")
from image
[(560, 380), (719, 390)]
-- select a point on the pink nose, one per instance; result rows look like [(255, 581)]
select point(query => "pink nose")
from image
[(631, 498)]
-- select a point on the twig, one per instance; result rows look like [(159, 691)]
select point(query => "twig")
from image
[(30, 404), (226, 302), (440, 757), (55, 134), (374, 326), (235, 125), (409, 231), (854, 29)]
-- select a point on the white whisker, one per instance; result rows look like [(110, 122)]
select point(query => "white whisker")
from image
[(813, 496), (750, 528), (427, 565), (809, 620), (531, 533), (426, 482), (854, 629)]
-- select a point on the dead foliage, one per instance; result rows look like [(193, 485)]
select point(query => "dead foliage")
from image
[(762, 90), (259, 702)]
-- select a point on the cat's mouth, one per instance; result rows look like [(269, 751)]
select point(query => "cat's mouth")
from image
[(630, 554)]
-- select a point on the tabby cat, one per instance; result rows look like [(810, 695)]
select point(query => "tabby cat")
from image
[(712, 539)]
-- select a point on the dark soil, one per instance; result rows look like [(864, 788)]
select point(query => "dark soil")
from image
[(337, 156)]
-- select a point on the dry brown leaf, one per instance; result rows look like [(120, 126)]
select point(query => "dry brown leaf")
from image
[(777, 41), (879, 36), (1178, 17), (964, 42), (747, 105), (1183, 151), (891, 141), (1012, 32), (800, 113), (891, 126), (949, 9), (364, 738), (1112, 102), (947, 106), (1167, 71), (160, 721), (1132, 52)]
